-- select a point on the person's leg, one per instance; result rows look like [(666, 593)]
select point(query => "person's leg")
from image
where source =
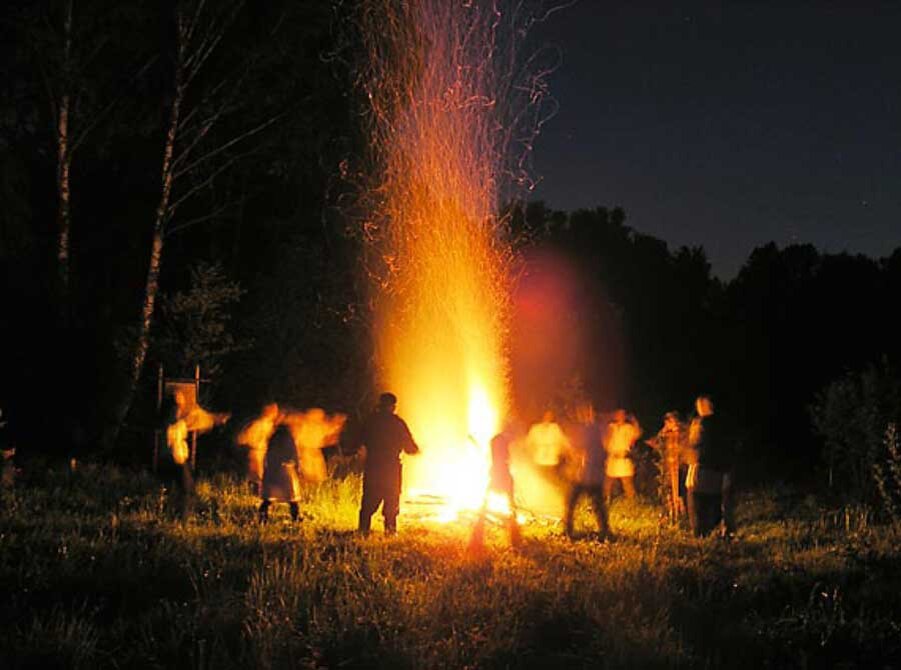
[(708, 512), (295, 510), (512, 523), (390, 510), (596, 494), (263, 512), (608, 488), (628, 487), (369, 503), (693, 520), (572, 499), (728, 511)]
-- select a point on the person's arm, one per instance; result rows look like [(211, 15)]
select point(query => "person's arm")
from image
[(410, 446)]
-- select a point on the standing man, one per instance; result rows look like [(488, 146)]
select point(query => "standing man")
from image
[(500, 480), (709, 479), (588, 454), (385, 435)]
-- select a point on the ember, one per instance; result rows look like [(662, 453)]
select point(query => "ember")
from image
[(440, 266)]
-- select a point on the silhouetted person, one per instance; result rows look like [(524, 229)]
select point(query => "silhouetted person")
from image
[(500, 481), (384, 435), (709, 479), (668, 442), (588, 453), (281, 482), (620, 435)]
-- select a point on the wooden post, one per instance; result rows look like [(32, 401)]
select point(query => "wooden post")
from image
[(194, 432), (157, 433)]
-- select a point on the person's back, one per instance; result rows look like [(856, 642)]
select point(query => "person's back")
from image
[(385, 435), (591, 453)]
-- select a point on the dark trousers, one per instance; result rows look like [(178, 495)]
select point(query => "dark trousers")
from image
[(381, 487), (264, 510), (706, 511), (595, 494)]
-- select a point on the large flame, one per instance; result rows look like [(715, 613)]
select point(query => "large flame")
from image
[(440, 266)]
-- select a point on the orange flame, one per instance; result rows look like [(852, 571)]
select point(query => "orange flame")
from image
[(440, 272)]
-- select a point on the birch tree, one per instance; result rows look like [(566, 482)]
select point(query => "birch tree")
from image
[(190, 162)]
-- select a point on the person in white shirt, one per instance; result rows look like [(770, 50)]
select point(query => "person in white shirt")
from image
[(622, 432)]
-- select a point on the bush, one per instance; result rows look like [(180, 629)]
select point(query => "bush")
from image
[(851, 415)]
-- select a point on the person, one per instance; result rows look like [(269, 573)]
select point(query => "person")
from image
[(178, 473), (280, 479), (255, 437), (587, 452), (547, 443), (708, 482), (668, 442), (620, 435), (500, 480), (384, 436)]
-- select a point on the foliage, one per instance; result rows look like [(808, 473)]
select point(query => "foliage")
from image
[(851, 415), (194, 325), (887, 474)]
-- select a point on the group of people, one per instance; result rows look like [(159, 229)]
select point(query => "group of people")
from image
[(590, 458)]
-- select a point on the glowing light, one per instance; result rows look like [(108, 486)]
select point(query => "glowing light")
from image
[(439, 264)]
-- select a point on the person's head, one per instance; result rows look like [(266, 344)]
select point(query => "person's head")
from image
[(619, 416), (547, 417), (387, 402), (585, 413), (671, 419), (270, 411), (704, 405)]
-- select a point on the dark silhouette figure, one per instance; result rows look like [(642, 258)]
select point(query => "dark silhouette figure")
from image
[(281, 482), (589, 459), (709, 479), (385, 435), (500, 481)]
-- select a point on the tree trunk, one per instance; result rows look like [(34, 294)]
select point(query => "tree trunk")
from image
[(151, 286), (63, 164)]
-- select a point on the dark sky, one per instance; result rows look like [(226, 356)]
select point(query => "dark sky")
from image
[(730, 125)]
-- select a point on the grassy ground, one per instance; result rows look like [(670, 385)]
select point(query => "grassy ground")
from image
[(96, 570)]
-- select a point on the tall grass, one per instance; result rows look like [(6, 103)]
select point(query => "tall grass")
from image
[(99, 570)]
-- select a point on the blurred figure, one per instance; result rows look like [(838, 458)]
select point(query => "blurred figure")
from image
[(500, 481), (255, 437), (175, 410), (547, 443), (281, 482), (621, 433), (709, 480), (313, 430), (587, 454), (384, 436), (668, 442)]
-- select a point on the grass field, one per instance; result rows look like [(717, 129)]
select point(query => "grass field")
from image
[(96, 570)]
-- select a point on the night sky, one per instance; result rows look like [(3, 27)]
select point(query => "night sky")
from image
[(729, 125)]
